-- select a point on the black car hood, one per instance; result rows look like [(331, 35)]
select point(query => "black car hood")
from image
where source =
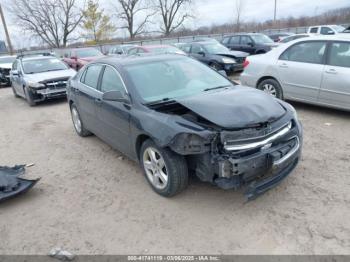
[(233, 54), (235, 108)]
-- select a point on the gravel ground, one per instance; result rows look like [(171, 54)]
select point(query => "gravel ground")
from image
[(91, 200)]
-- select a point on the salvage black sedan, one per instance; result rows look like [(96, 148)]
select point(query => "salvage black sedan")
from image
[(174, 115)]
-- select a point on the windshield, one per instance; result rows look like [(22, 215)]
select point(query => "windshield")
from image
[(166, 50), (43, 65), (215, 48), (261, 39), (88, 53), (173, 78), (338, 28), (7, 60)]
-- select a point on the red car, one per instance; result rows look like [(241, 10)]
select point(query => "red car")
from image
[(77, 58), (156, 49)]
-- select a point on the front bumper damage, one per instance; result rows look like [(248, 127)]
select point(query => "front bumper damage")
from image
[(51, 90), (258, 163)]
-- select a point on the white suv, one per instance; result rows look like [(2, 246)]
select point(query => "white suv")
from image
[(326, 29)]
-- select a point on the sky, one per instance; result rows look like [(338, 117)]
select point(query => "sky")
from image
[(209, 12)]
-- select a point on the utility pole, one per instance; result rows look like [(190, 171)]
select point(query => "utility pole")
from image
[(275, 13), (6, 32)]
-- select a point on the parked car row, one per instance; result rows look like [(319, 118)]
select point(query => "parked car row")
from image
[(313, 70)]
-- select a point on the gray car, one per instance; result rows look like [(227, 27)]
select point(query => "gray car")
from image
[(314, 70), (39, 77)]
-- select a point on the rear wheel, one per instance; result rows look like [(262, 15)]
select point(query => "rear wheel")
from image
[(78, 123), (272, 87), (165, 170), (29, 96)]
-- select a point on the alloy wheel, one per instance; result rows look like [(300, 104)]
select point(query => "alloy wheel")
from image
[(270, 89), (76, 119), (155, 168)]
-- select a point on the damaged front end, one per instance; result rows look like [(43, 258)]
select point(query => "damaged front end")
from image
[(231, 148), (252, 158), (11, 184)]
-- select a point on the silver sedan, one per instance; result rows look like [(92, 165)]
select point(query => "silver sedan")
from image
[(314, 70)]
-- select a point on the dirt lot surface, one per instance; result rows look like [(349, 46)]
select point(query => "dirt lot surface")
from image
[(91, 200)]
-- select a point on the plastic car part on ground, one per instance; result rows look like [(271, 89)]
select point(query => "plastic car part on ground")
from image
[(11, 184)]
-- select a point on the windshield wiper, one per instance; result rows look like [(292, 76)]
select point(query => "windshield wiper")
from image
[(214, 88)]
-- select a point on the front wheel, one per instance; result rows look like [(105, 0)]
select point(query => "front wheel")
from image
[(14, 91), (166, 171), (271, 87), (29, 96)]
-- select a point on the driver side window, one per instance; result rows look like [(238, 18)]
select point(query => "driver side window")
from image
[(111, 81)]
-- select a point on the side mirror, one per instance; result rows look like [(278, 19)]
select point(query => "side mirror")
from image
[(201, 53), (251, 44), (120, 53), (14, 72), (330, 33), (116, 96)]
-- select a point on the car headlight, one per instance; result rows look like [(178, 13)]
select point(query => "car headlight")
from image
[(35, 84), (294, 112), (228, 61)]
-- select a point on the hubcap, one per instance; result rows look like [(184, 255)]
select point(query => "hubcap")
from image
[(76, 119), (155, 168), (270, 89)]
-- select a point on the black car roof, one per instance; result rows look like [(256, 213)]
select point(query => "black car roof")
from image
[(136, 59)]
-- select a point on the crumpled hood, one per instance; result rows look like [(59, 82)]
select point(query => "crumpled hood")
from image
[(50, 75), (233, 54), (235, 108)]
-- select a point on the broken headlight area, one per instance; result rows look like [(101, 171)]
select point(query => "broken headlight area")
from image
[(188, 144), (11, 184)]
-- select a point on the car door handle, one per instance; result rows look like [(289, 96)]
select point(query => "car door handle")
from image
[(98, 101), (331, 71), (284, 65)]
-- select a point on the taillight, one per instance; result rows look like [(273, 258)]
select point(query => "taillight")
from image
[(245, 63)]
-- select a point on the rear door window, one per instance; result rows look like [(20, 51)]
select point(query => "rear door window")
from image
[(225, 40), (234, 40), (339, 54), (306, 52), (91, 76), (314, 30)]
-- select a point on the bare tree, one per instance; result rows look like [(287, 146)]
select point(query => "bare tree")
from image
[(53, 21), (135, 14), (239, 8), (173, 13)]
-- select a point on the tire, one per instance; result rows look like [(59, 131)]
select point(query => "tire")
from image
[(29, 97), (78, 123), (272, 87), (173, 167), (215, 66), (14, 91)]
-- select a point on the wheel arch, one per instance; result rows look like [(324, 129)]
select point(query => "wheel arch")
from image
[(139, 141)]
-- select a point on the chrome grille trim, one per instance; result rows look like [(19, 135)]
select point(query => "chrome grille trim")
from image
[(261, 143)]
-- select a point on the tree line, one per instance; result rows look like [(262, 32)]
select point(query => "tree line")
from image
[(55, 22)]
